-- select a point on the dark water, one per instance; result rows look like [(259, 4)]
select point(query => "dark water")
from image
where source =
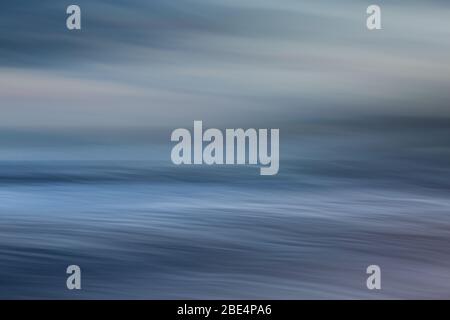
[(147, 229)]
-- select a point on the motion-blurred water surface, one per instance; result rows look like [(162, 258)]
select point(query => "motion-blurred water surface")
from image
[(343, 200)]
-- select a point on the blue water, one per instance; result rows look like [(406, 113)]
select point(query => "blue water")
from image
[(148, 229)]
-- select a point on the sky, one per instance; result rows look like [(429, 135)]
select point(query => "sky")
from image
[(157, 64)]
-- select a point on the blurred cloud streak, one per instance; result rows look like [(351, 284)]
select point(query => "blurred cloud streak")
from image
[(158, 62)]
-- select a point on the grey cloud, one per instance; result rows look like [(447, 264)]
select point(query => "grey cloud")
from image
[(160, 62)]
